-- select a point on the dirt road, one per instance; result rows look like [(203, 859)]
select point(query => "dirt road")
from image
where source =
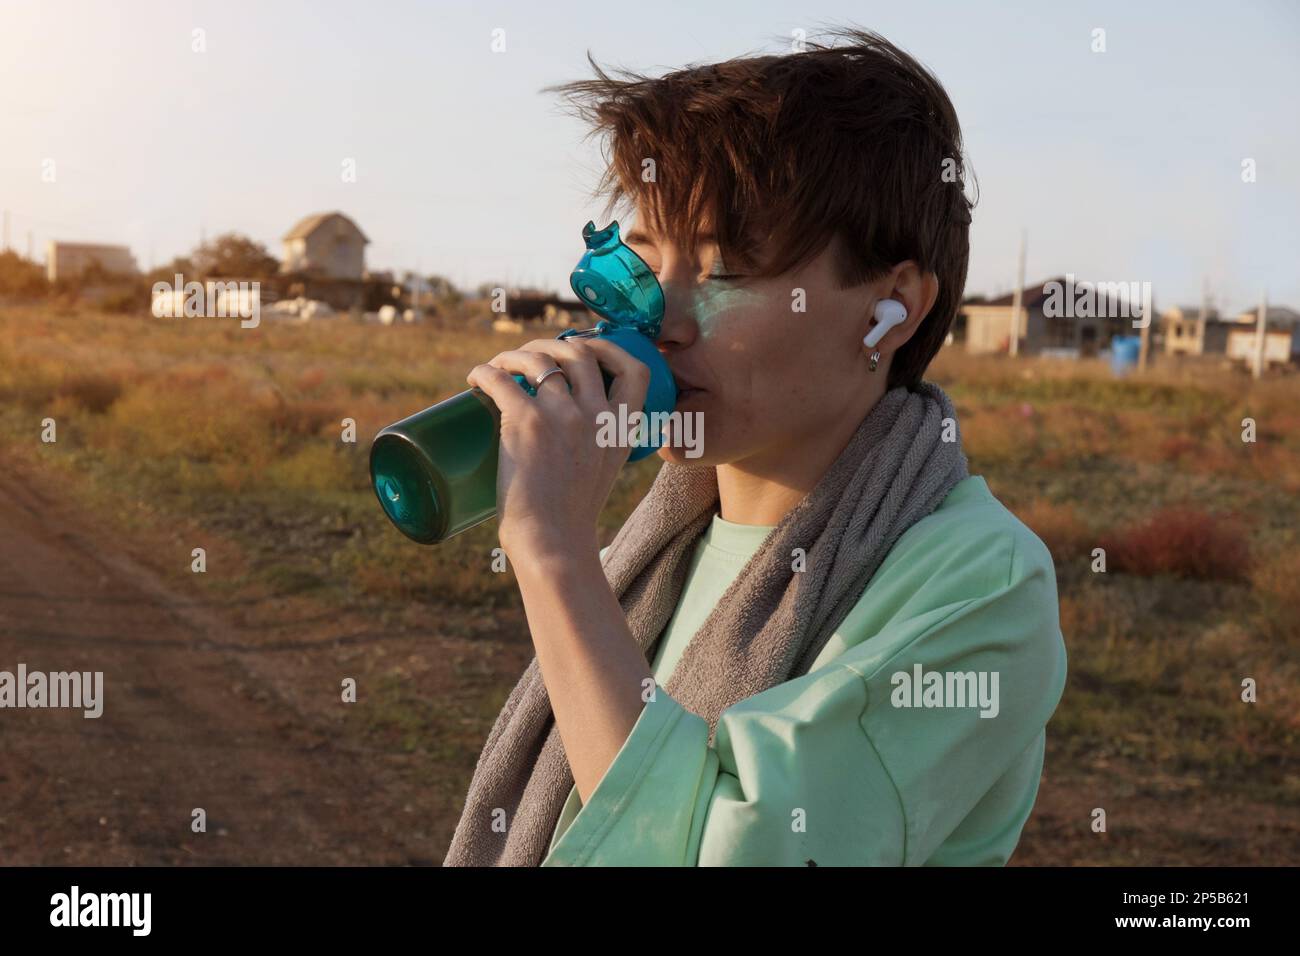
[(202, 709)]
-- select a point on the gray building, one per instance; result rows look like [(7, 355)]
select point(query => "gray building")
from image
[(68, 260), (989, 325)]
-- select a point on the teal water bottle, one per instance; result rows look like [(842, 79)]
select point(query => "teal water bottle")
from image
[(435, 472)]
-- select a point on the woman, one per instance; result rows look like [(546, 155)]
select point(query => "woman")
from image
[(822, 642)]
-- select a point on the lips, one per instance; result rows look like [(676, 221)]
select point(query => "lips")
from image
[(685, 385)]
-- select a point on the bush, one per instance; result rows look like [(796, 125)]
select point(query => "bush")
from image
[(1277, 589), (21, 277), (91, 391), (1059, 527), (1183, 541), (126, 299), (302, 418)]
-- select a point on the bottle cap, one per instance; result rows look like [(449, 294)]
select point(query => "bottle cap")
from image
[(616, 284)]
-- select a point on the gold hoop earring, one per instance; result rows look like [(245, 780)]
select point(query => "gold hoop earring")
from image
[(875, 360)]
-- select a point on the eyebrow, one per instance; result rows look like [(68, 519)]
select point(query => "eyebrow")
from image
[(636, 235)]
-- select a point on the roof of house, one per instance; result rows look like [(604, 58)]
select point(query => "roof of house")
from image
[(1279, 317), (1252, 330), (1029, 297), (60, 244), (1194, 311), (1277, 314), (310, 224), (1033, 296)]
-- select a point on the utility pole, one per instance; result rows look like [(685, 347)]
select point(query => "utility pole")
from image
[(1144, 333), (415, 292), (1260, 322), (1014, 347), (1204, 316), (1144, 343)]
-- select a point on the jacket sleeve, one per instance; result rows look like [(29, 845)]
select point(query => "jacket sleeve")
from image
[(833, 767)]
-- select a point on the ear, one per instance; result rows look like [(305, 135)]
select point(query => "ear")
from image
[(917, 291)]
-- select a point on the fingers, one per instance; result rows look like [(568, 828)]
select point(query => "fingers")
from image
[(579, 364), (582, 361), (631, 375), (532, 365), (501, 387)]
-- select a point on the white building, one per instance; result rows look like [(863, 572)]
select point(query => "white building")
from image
[(328, 245), (1281, 336)]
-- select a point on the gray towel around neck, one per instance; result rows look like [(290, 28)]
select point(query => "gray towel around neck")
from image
[(767, 628)]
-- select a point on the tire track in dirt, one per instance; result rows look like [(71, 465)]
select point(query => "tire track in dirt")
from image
[(185, 723)]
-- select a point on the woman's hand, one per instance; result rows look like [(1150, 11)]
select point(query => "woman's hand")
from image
[(552, 480), (552, 477)]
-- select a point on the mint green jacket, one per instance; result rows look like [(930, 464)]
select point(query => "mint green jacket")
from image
[(917, 737)]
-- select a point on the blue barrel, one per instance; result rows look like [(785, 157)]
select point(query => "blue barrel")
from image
[(1124, 351)]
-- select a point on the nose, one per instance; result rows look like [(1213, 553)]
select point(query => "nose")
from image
[(679, 328)]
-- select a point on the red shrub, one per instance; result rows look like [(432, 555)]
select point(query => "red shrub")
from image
[(1183, 541), (1174, 447)]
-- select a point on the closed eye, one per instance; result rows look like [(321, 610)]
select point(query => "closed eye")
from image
[(715, 276)]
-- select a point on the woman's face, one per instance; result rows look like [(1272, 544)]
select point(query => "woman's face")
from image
[(762, 364)]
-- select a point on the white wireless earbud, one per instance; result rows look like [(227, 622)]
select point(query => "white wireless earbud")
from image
[(889, 313)]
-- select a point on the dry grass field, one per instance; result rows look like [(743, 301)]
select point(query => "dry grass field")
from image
[(187, 433)]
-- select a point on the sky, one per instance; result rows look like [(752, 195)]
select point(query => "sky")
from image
[(1122, 165)]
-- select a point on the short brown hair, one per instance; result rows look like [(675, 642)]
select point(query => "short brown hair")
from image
[(845, 141)]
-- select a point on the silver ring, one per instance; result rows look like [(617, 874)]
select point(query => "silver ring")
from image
[(541, 378)]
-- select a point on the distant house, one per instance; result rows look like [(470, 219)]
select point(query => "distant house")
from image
[(989, 325), (528, 308), (327, 245), (550, 309), (1187, 332), (67, 260), (1281, 336), (1278, 315)]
